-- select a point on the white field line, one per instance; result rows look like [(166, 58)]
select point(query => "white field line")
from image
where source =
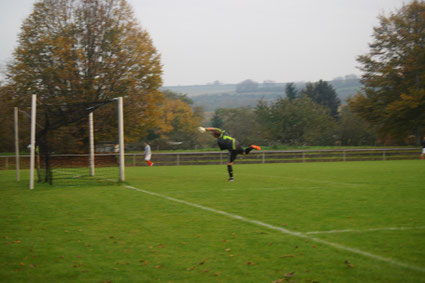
[(366, 230), (285, 231)]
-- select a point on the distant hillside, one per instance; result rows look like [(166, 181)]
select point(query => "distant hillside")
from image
[(195, 90), (214, 96)]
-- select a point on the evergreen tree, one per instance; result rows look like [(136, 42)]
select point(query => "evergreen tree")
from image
[(323, 94), (217, 120), (291, 91)]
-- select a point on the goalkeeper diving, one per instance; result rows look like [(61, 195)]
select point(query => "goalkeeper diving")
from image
[(225, 141)]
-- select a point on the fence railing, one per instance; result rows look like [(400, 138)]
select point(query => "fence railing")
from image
[(278, 156)]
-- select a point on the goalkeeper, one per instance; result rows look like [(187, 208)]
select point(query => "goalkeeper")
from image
[(225, 141)]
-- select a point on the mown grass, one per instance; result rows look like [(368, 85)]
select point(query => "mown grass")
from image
[(91, 233)]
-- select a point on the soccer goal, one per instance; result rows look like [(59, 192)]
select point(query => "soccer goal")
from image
[(76, 142)]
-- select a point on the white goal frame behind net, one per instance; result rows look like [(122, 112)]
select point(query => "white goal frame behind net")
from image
[(91, 140)]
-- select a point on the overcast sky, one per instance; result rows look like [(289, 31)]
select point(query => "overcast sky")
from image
[(202, 41)]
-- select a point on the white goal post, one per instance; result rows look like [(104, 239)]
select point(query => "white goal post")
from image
[(121, 137), (32, 139), (91, 140)]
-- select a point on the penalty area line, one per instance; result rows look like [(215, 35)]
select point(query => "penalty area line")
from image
[(283, 230)]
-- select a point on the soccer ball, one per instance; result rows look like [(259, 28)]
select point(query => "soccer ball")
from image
[(201, 129)]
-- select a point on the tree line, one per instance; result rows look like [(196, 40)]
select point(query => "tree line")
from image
[(311, 116), (83, 51), (226, 96)]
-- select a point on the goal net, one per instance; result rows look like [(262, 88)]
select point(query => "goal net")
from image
[(77, 142)]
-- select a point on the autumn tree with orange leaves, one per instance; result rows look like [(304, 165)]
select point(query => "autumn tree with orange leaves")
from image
[(393, 97), (85, 51)]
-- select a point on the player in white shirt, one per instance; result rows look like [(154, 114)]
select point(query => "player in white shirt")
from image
[(148, 154)]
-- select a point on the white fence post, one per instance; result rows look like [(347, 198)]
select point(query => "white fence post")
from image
[(91, 142), (17, 167)]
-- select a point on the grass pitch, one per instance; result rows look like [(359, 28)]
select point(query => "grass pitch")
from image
[(312, 222)]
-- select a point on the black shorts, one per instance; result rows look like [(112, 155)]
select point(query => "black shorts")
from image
[(233, 153)]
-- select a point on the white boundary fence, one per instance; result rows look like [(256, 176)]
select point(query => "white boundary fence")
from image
[(220, 157), (278, 156)]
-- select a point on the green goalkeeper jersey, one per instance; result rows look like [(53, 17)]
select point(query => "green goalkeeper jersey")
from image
[(225, 141)]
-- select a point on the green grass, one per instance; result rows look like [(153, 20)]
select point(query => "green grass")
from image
[(91, 233)]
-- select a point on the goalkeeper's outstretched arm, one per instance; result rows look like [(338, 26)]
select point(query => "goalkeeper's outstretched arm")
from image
[(216, 132), (214, 129)]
